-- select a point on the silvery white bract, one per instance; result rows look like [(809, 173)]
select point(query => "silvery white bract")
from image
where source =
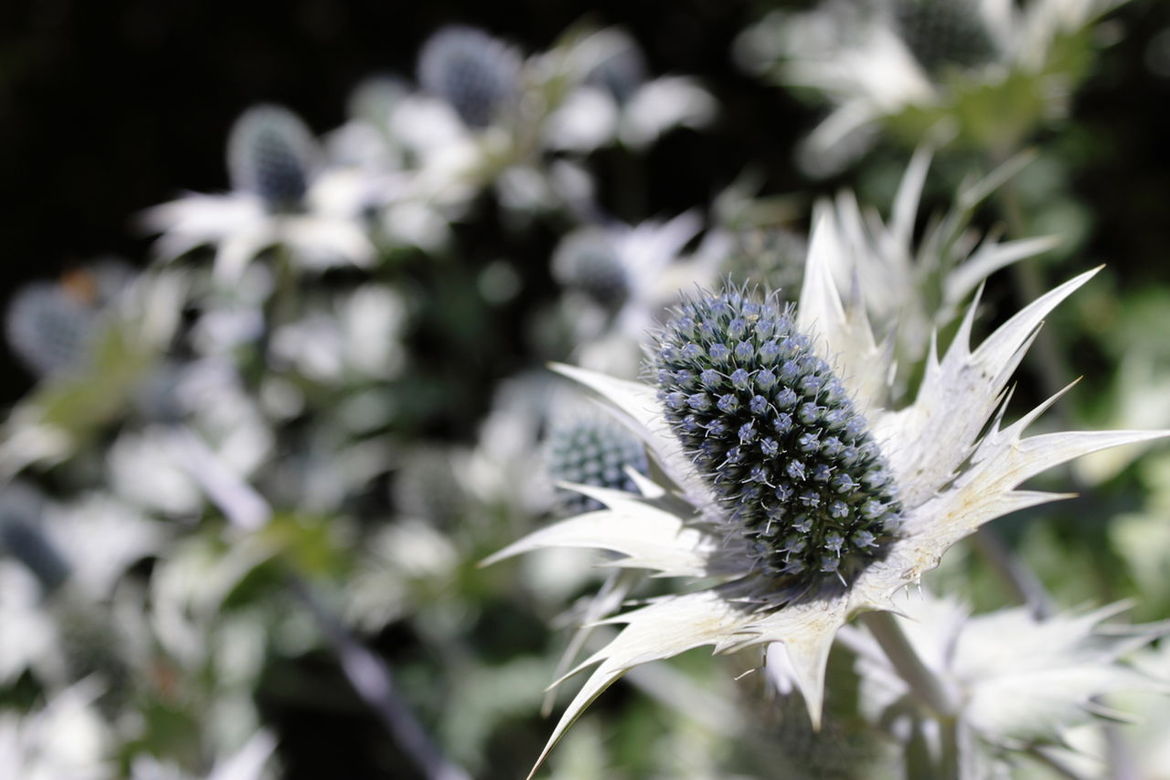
[(1021, 680), (915, 285), (930, 474), (614, 99), (1087, 749), (355, 338), (281, 197), (873, 61)]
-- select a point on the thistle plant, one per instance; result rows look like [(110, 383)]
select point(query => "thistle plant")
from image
[(984, 75), (792, 485), (596, 452)]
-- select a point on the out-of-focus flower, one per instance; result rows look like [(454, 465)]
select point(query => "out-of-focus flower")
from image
[(983, 72), (252, 761), (474, 73), (627, 275), (1021, 680), (282, 196), (134, 320), (65, 738), (614, 99), (591, 450), (76, 554), (54, 326), (795, 488), (355, 341)]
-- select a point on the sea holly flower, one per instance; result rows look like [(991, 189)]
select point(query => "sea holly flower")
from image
[(281, 197), (1023, 680), (591, 450), (787, 481), (477, 75), (620, 278), (983, 72)]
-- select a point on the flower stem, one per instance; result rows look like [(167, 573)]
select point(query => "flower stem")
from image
[(373, 682), (927, 687), (1020, 580)]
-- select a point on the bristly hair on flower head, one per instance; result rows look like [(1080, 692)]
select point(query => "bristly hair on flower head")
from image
[(776, 438), (786, 479)]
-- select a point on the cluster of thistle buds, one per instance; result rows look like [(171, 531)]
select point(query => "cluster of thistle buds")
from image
[(775, 435)]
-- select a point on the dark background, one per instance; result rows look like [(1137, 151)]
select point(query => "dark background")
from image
[(108, 108)]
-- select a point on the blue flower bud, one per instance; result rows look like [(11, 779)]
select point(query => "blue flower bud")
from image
[(777, 439)]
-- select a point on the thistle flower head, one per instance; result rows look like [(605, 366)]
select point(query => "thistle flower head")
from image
[(794, 566), (476, 74), (773, 432), (592, 451), (49, 327), (942, 33), (270, 154), (589, 261), (1021, 679), (22, 536)]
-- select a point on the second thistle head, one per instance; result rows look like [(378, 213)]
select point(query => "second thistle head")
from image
[(476, 74), (270, 154), (772, 431)]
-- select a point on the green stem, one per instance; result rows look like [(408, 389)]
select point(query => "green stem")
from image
[(942, 699)]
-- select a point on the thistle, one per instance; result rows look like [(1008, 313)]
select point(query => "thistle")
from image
[(23, 537), (270, 154), (592, 452), (789, 487), (983, 69), (1022, 680), (282, 196), (49, 328), (474, 73), (590, 261)]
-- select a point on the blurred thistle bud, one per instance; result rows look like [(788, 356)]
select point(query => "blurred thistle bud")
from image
[(50, 326), (773, 432), (944, 33), (622, 69), (94, 647), (476, 74), (592, 451), (271, 154), (589, 262), (24, 538), (772, 256)]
